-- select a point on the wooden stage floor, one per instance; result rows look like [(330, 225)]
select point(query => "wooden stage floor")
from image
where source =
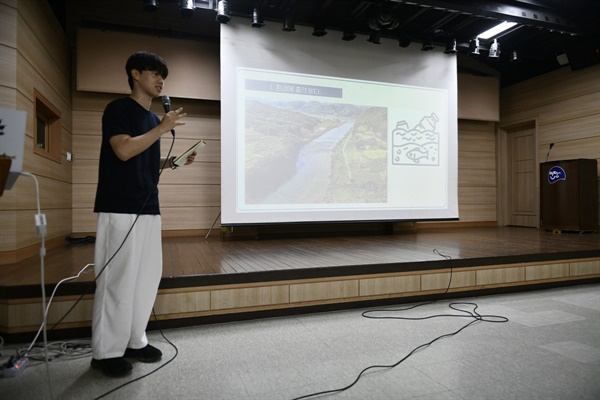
[(194, 261)]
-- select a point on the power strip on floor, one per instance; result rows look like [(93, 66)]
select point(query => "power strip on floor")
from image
[(14, 367)]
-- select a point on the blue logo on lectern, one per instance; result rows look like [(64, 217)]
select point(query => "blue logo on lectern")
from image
[(556, 174)]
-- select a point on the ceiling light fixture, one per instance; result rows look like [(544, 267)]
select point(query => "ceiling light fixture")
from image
[(187, 7), (494, 50), (150, 5), (319, 31), (427, 44), (474, 47), (404, 41), (348, 35), (375, 37), (514, 56), (451, 46), (257, 21), (223, 15), (496, 30), (288, 25)]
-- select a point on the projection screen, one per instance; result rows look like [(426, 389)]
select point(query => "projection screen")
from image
[(316, 129)]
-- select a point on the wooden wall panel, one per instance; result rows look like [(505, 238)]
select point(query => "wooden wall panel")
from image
[(177, 195), (28, 79), (8, 24), (390, 285), (569, 110), (476, 177), (476, 171), (440, 281), (541, 272), (86, 122), (477, 195), (583, 268), (42, 166), (101, 57), (182, 302), (249, 297), (19, 231), (476, 160), (565, 105), (523, 99), (499, 276), (40, 61), (84, 195), (477, 212), (84, 221), (8, 77), (478, 97), (306, 292), (39, 19), (584, 127), (53, 194), (189, 218), (190, 196), (572, 149)]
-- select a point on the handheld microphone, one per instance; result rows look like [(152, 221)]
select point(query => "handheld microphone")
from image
[(550, 148), (166, 102)]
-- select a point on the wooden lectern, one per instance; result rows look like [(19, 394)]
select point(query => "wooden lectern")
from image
[(569, 195)]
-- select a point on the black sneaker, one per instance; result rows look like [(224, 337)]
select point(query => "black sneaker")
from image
[(148, 354), (113, 367)]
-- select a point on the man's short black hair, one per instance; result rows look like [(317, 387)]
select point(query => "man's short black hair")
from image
[(145, 61)]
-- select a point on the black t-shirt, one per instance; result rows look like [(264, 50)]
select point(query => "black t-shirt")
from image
[(124, 186)]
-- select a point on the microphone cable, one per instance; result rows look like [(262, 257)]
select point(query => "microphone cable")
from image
[(454, 306)]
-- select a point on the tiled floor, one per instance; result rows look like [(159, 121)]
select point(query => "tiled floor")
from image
[(549, 349)]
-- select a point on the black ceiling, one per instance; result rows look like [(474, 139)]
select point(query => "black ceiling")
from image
[(546, 32)]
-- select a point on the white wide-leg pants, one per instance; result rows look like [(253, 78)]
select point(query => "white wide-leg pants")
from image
[(126, 288)]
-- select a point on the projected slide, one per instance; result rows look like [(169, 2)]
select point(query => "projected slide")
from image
[(319, 142), (321, 130)]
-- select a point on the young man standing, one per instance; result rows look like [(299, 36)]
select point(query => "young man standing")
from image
[(128, 253)]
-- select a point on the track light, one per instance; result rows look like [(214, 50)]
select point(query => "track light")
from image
[(187, 7), (427, 45), (348, 35), (451, 46), (223, 15), (494, 50), (288, 25), (374, 37), (474, 47), (404, 41), (319, 31), (257, 21), (150, 5), (514, 57)]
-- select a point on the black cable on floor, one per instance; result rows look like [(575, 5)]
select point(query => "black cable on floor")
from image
[(454, 306)]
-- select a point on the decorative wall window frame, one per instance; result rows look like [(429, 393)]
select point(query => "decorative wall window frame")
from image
[(47, 123)]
